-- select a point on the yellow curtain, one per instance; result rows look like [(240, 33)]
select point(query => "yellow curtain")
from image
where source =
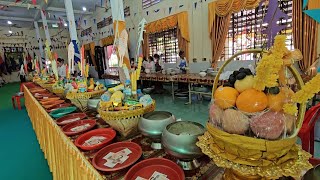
[(92, 54), (145, 45), (107, 41), (225, 7), (219, 13), (121, 26), (305, 34), (179, 20), (86, 47)]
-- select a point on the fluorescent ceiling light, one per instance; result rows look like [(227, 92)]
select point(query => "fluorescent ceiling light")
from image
[(10, 31), (84, 8), (9, 22), (55, 25), (65, 24)]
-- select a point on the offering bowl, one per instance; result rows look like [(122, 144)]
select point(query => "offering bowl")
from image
[(152, 124), (179, 140)]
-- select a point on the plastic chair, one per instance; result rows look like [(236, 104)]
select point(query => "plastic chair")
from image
[(306, 132), (16, 99)]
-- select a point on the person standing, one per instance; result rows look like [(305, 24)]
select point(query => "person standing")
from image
[(158, 63), (61, 68), (182, 64)]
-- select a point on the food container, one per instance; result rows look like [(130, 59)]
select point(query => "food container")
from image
[(152, 125), (179, 140)]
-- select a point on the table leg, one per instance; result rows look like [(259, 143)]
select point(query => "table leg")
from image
[(189, 93), (172, 90)]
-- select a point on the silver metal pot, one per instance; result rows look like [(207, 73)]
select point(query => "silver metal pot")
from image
[(152, 125), (93, 103), (179, 140)]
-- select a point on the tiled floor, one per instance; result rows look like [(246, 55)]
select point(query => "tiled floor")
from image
[(197, 111)]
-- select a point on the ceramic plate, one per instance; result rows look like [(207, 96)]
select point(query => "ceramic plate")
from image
[(98, 161), (108, 133), (78, 127), (146, 168), (62, 111), (70, 118)]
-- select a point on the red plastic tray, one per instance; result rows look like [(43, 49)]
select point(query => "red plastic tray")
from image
[(108, 133), (67, 128), (61, 121), (146, 168), (98, 161), (58, 106), (49, 99), (51, 104)]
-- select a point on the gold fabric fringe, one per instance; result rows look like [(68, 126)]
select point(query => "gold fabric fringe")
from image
[(65, 160)]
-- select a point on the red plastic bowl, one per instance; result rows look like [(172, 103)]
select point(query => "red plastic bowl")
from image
[(108, 133), (58, 106), (67, 128), (61, 121), (146, 168), (98, 161)]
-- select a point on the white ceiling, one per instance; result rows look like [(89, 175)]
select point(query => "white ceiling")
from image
[(23, 17)]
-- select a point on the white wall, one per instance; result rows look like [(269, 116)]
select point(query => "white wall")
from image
[(200, 44)]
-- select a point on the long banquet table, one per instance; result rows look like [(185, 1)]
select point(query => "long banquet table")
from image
[(66, 161), (190, 79)]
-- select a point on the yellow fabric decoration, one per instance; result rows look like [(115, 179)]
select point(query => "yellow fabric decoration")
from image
[(291, 109), (121, 26), (107, 41), (180, 20), (65, 160), (268, 68), (308, 90)]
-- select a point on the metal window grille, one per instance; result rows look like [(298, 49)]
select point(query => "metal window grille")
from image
[(127, 11), (245, 31), (149, 3), (165, 44)]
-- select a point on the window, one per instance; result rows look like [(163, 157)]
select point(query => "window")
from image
[(126, 11), (165, 44), (245, 31), (149, 3)]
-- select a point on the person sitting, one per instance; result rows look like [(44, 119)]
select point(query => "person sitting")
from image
[(150, 66), (61, 68), (159, 66)]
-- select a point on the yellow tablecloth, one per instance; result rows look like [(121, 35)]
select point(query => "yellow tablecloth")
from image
[(64, 158)]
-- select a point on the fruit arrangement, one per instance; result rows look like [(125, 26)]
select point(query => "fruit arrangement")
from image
[(261, 104)]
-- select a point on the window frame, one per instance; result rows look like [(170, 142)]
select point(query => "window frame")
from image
[(161, 41), (245, 27), (148, 3)]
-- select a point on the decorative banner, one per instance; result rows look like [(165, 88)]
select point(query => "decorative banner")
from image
[(314, 14), (305, 3), (273, 15)]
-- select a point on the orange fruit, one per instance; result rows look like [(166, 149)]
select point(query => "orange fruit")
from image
[(225, 97), (276, 102), (251, 101)]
